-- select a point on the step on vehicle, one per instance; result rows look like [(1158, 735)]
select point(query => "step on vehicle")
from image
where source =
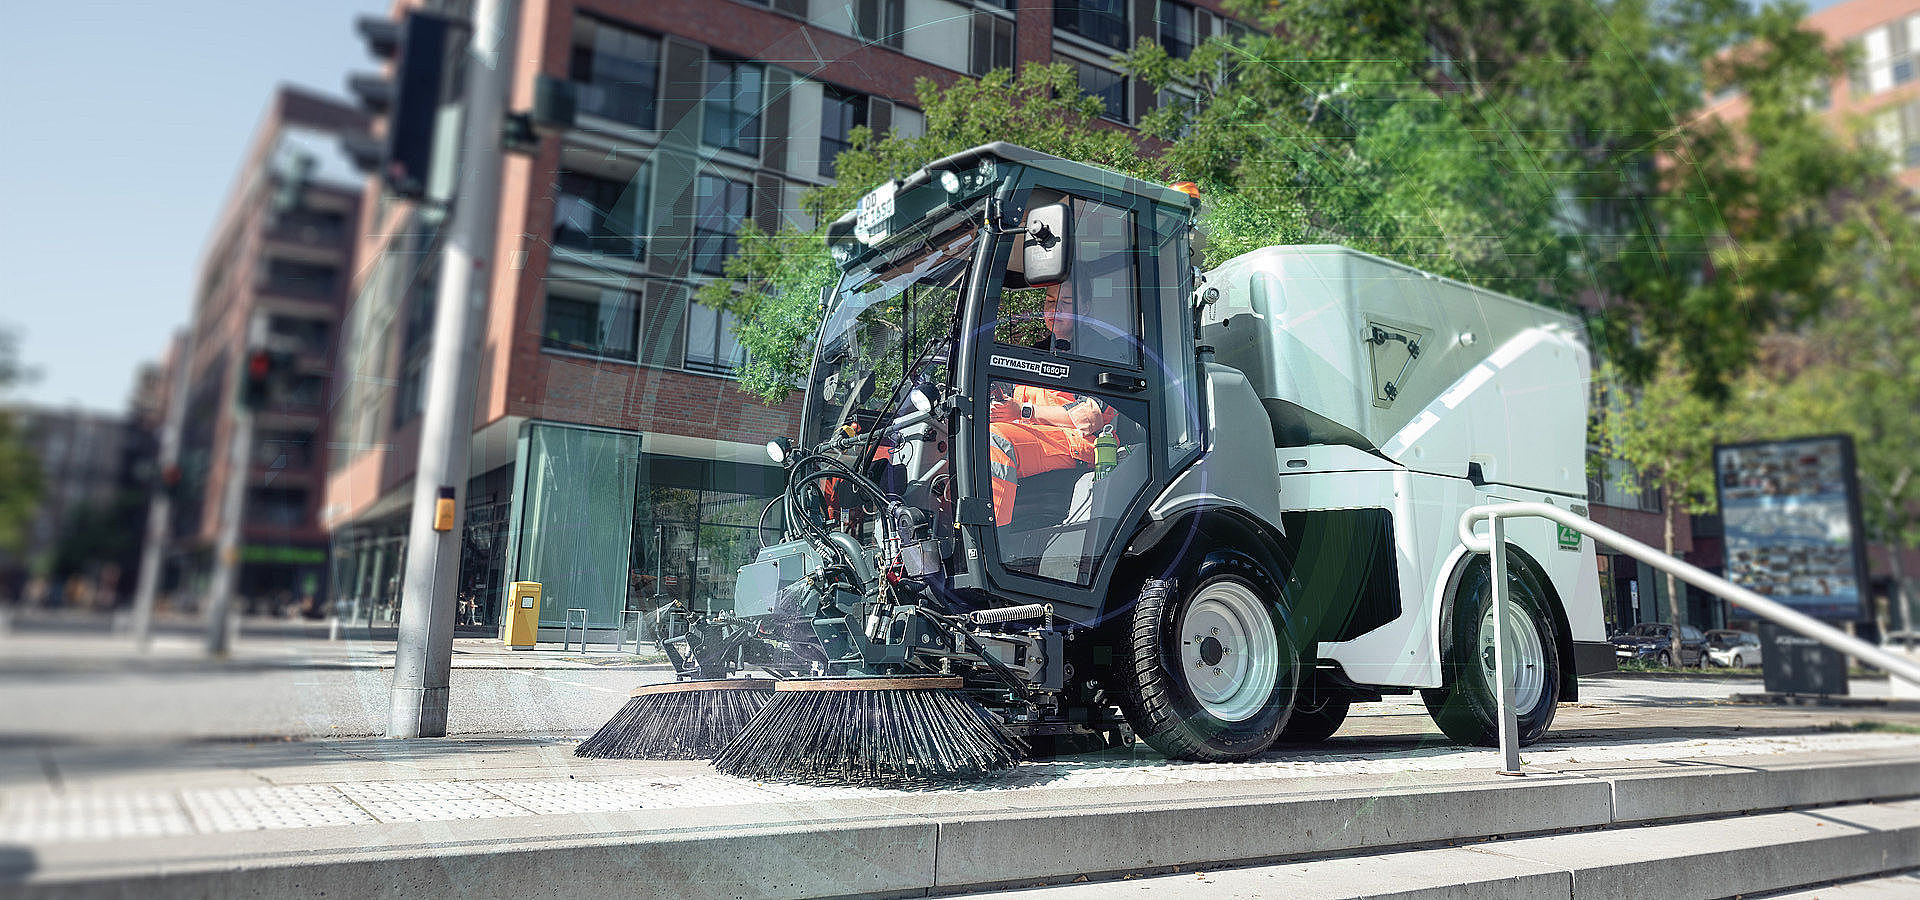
[(1045, 458)]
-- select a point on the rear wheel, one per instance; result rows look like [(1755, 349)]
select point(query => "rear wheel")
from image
[(1210, 666), (1466, 707), (1316, 716)]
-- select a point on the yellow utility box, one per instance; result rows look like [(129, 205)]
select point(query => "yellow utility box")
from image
[(523, 614)]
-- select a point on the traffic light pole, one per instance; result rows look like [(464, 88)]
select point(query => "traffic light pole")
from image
[(423, 658), (160, 502), (233, 497)]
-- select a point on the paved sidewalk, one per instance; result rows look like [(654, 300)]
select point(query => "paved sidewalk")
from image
[(307, 647)]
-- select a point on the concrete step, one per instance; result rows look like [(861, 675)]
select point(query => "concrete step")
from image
[(1901, 886), (1710, 858), (1016, 834)]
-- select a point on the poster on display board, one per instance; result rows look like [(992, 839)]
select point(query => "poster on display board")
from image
[(1790, 510)]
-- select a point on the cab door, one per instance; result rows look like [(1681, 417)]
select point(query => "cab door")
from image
[(1071, 387)]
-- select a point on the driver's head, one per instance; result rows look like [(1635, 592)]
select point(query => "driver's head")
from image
[(1058, 311)]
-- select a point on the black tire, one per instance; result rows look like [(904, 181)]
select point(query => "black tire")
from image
[(1465, 707), (1666, 660), (1316, 716), (1159, 699)]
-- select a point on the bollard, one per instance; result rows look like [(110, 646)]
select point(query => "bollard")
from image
[(1502, 656)]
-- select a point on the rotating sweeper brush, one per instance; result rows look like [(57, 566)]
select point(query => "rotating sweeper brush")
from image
[(872, 731), (681, 720)]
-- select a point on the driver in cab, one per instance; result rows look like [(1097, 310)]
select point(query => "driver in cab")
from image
[(1036, 429)]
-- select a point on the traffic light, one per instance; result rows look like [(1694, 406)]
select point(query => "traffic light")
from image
[(256, 381), (410, 98), (261, 380)]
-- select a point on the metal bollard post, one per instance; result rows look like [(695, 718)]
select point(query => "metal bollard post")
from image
[(1502, 655), (566, 632)]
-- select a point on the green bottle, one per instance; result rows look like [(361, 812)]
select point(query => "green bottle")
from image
[(1106, 452)]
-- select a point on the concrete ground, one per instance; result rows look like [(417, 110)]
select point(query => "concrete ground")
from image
[(103, 748)]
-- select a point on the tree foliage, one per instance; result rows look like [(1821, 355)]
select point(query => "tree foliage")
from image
[(19, 471), (1553, 149)]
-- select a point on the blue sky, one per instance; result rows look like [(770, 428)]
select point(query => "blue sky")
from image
[(125, 122)]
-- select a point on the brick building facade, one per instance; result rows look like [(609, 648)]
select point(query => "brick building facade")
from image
[(281, 252)]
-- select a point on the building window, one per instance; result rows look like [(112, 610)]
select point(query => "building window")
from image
[(600, 215), (732, 119), (1178, 33), (289, 278), (616, 72), (711, 346), (305, 392), (277, 507), (284, 450), (992, 43), (307, 336), (309, 226), (592, 319), (1888, 57), (1109, 87), (720, 207), (881, 21), (840, 113), (1100, 21)]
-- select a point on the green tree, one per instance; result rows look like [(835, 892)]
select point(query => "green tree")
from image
[(1554, 149), (19, 471), (774, 281), (1857, 370), (1664, 431)]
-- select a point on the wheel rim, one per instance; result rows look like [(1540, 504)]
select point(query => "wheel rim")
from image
[(1228, 650), (1529, 658)]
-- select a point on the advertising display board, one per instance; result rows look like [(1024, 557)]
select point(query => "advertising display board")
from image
[(1791, 513)]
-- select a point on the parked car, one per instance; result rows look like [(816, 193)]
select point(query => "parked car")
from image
[(1652, 642), (1727, 647)]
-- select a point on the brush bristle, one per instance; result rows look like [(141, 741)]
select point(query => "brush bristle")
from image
[(886, 738), (684, 725)]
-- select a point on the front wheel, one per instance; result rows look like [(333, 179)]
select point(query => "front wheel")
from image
[(1466, 707), (1211, 665)]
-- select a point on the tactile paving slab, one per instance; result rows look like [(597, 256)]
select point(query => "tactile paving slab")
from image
[(42, 815)]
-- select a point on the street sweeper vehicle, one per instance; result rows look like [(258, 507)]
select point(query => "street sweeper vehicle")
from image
[(1054, 486)]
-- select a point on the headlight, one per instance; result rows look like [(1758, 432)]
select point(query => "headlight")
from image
[(778, 449)]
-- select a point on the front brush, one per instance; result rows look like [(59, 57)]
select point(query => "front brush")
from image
[(880, 731)]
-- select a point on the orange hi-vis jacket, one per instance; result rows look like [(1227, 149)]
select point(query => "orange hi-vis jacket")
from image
[(1020, 448)]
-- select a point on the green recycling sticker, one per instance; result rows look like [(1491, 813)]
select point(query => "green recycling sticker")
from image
[(1569, 538)]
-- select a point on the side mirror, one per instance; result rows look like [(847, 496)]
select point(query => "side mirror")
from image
[(1044, 248)]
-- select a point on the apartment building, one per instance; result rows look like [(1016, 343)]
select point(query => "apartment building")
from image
[(614, 460), (1882, 93), (281, 253)]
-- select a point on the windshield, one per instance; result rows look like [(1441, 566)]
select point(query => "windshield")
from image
[(890, 326), (1646, 630)]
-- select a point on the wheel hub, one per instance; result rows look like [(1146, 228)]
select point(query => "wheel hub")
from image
[(1524, 648), (1211, 650), (1228, 651)]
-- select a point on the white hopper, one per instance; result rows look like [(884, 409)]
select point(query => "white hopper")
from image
[(1347, 348)]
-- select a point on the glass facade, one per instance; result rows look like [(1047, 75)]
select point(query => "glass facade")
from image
[(575, 495)]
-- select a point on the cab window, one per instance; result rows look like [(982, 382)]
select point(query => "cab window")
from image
[(1095, 313)]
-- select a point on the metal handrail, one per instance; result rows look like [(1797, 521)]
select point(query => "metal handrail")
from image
[(1494, 543)]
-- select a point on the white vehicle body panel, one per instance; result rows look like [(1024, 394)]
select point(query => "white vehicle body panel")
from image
[(1497, 389)]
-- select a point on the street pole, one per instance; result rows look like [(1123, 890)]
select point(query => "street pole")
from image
[(423, 656), (233, 499), (160, 500)]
